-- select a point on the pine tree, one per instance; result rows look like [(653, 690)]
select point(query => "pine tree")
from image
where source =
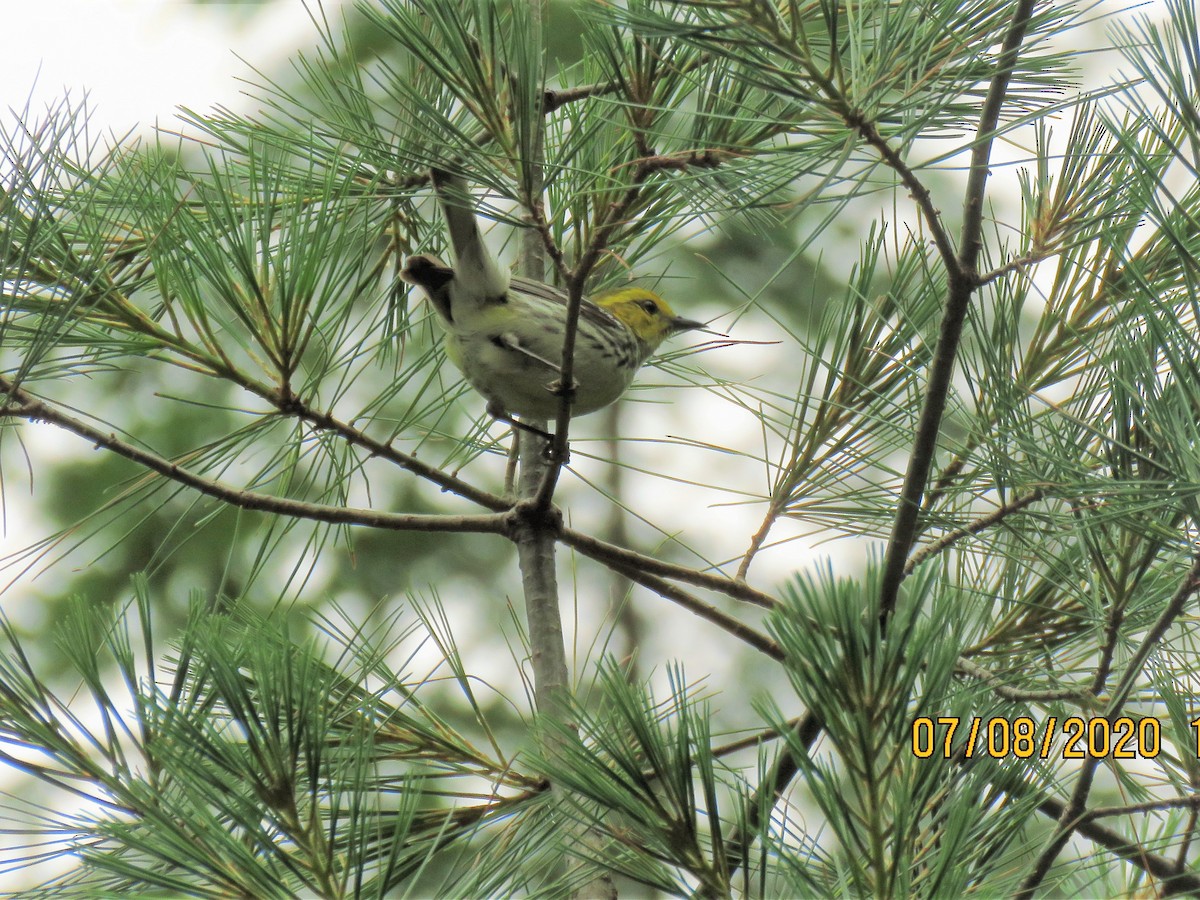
[(916, 622)]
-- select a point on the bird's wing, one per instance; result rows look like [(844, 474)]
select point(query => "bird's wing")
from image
[(588, 311)]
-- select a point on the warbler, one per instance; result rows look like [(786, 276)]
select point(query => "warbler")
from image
[(506, 333)]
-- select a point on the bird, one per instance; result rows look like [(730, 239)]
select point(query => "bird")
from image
[(505, 333)]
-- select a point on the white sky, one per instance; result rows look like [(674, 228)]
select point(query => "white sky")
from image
[(140, 59)]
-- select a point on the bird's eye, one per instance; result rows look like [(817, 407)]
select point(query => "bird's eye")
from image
[(649, 306)]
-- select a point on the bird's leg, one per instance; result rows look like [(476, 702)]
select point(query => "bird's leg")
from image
[(496, 411), (559, 390), (500, 414), (550, 456)]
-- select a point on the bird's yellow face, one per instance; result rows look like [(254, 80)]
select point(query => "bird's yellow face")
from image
[(646, 314)]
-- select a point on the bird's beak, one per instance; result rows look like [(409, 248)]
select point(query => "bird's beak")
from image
[(680, 324)]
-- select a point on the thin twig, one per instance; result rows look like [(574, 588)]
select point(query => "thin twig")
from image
[(1191, 802), (1016, 695), (612, 555), (760, 536), (916, 188), (1068, 820), (706, 611), (552, 99), (984, 522), (575, 285), (754, 740), (1016, 264), (1173, 610), (614, 217)]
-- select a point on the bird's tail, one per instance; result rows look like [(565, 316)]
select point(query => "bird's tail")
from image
[(476, 273)]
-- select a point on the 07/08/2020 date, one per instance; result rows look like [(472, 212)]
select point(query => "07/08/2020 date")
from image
[(1000, 737)]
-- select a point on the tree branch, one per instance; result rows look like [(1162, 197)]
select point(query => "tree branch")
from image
[(21, 404), (1175, 880), (962, 281), (786, 767), (614, 217), (1130, 809)]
